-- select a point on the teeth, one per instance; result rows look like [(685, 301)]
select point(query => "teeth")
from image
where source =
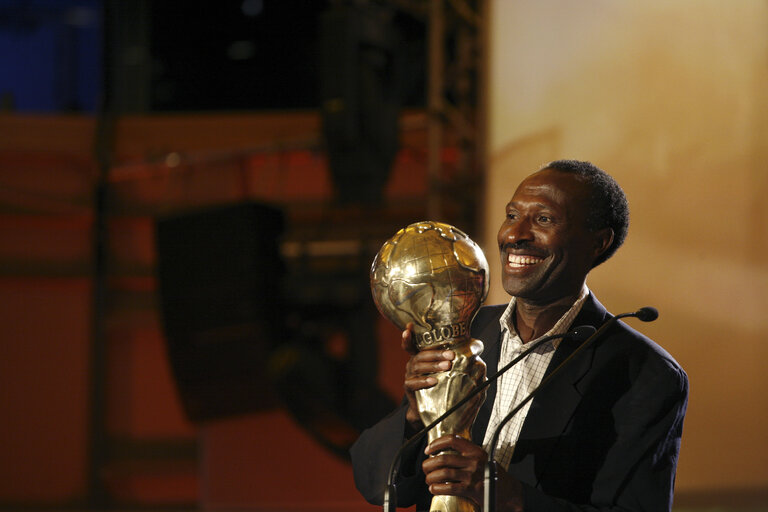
[(521, 261)]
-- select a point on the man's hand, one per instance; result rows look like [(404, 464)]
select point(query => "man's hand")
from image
[(461, 470), (457, 472), (419, 370)]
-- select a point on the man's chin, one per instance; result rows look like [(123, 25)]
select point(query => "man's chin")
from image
[(522, 290)]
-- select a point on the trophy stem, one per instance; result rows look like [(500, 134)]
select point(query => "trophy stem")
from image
[(452, 504), (466, 373)]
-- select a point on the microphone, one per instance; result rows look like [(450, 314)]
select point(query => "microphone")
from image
[(579, 333), (645, 314)]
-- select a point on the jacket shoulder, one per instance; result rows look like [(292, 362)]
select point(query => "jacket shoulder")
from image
[(487, 316)]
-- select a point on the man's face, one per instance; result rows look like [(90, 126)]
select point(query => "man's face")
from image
[(546, 249)]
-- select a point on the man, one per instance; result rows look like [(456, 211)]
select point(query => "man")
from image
[(602, 435)]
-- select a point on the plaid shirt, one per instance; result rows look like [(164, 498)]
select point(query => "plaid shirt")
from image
[(517, 383)]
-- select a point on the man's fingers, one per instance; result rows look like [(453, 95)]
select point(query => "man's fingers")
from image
[(464, 447), (429, 361), (448, 476), (448, 489), (454, 474), (455, 461), (421, 382)]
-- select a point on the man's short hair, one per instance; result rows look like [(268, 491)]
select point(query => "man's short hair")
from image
[(608, 206)]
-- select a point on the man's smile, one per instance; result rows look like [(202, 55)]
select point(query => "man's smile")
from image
[(522, 261)]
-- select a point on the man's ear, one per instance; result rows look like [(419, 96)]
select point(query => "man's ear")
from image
[(603, 240)]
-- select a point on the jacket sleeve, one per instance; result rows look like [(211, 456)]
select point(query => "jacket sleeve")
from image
[(373, 454)]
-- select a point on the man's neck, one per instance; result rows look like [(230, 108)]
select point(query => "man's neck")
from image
[(533, 320)]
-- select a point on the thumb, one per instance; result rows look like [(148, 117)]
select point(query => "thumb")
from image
[(407, 342)]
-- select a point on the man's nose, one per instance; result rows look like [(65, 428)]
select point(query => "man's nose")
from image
[(518, 231)]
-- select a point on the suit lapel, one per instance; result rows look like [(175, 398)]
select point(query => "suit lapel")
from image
[(487, 330), (556, 402)]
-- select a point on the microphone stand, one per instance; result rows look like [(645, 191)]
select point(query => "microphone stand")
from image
[(390, 492), (646, 314)]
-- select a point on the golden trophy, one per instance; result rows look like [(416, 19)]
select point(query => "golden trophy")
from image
[(435, 276)]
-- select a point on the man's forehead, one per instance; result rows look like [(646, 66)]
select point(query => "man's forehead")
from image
[(550, 187), (539, 184)]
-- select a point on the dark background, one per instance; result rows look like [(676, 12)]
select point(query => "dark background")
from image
[(181, 56)]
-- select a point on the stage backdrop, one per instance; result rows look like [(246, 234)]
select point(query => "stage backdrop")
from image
[(672, 99)]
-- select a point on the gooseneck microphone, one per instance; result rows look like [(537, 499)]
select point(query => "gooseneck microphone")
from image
[(645, 314), (580, 333)]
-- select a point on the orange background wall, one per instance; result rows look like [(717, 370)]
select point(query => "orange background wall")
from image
[(155, 455)]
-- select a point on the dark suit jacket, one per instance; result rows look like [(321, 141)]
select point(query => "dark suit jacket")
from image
[(603, 435)]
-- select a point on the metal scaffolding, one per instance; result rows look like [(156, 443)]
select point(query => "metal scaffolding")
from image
[(456, 74)]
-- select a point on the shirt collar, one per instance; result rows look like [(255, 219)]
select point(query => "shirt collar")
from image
[(560, 327)]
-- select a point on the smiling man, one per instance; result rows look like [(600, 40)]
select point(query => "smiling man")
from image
[(605, 433)]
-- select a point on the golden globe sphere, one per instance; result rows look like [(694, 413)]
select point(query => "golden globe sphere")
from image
[(434, 275)]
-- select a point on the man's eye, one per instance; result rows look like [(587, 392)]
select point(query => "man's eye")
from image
[(543, 219), (511, 216)]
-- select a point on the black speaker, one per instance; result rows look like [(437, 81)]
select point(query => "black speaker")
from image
[(360, 96), (220, 274)]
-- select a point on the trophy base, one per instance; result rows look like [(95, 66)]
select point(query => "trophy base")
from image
[(452, 504)]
